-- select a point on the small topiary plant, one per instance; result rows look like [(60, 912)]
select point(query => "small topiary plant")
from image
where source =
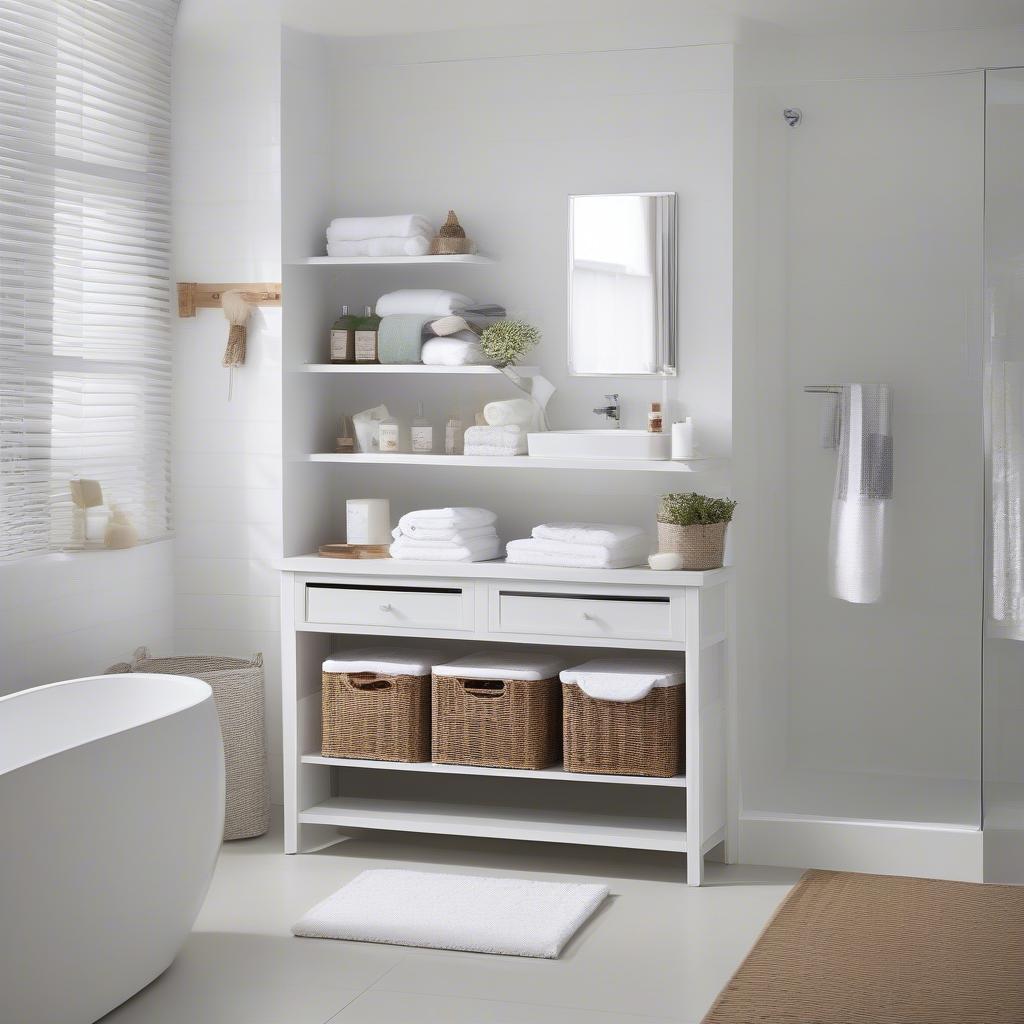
[(689, 509), (507, 341)]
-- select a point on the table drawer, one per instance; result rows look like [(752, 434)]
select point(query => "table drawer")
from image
[(605, 616), (414, 608)]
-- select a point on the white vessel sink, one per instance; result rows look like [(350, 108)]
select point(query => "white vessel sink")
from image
[(599, 444)]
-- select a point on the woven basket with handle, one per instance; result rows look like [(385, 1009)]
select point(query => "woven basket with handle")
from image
[(237, 686), (376, 716)]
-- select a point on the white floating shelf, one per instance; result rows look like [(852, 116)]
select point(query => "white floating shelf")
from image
[(383, 261), (517, 462), (558, 774), (414, 368), (497, 822)]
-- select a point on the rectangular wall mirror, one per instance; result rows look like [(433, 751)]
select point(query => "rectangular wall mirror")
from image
[(622, 284)]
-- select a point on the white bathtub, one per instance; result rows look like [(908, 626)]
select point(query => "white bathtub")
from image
[(111, 811)]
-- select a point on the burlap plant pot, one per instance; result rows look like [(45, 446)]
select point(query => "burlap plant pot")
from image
[(699, 546)]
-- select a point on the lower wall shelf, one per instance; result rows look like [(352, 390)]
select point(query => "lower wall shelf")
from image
[(464, 819)]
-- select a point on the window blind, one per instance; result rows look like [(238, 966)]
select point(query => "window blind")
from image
[(85, 352)]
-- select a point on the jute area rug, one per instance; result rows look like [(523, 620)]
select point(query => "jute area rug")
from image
[(876, 949)]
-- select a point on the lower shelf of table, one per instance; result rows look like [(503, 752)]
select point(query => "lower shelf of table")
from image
[(556, 774), (466, 819)]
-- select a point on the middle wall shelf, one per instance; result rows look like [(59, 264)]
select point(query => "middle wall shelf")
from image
[(524, 462)]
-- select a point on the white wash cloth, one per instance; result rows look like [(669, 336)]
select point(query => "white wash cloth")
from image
[(459, 534), (524, 552), (436, 518), (478, 550), (625, 679), (401, 225), (462, 349), (587, 533), (421, 302), (637, 547), (414, 245)]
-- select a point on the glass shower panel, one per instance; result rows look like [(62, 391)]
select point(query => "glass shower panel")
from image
[(1004, 420)]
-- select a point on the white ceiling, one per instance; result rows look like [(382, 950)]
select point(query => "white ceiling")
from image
[(804, 17)]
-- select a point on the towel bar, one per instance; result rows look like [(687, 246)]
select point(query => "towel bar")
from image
[(193, 296)]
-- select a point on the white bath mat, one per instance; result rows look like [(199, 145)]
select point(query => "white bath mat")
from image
[(465, 912)]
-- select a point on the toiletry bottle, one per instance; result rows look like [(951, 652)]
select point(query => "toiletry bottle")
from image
[(422, 434), (388, 436), (654, 419), (345, 443), (366, 337), (683, 445), (453, 435), (343, 338)]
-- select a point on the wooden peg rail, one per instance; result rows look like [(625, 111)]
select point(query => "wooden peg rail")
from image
[(193, 296)]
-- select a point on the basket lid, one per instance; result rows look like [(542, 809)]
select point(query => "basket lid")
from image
[(526, 665), (391, 661), (625, 679)]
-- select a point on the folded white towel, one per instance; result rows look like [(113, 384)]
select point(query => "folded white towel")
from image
[(488, 533), (525, 552), (636, 548), (450, 518), (422, 302), (479, 549), (498, 451), (462, 349), (459, 534), (401, 225), (625, 678), (587, 533), (414, 245), (512, 410), (506, 435)]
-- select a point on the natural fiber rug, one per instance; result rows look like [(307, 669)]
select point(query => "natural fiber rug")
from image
[(876, 949)]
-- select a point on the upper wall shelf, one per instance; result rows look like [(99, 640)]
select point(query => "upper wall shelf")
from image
[(382, 261), (402, 368)]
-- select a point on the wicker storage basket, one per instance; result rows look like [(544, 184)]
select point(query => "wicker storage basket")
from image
[(237, 686), (376, 704), (700, 547), (497, 712), (623, 737)]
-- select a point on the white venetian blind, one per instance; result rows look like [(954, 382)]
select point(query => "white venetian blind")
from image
[(85, 356)]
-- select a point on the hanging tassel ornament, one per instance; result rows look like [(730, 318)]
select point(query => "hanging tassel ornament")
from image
[(236, 310)]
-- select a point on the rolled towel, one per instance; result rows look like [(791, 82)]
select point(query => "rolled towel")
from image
[(461, 349), (522, 411), (400, 225), (481, 550), (438, 518), (459, 534), (525, 552), (414, 245), (454, 324), (587, 533), (636, 548), (435, 302)]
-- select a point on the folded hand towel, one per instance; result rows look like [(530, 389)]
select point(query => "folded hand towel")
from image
[(400, 338), (499, 451), (436, 518), (512, 410), (414, 245), (509, 439), (587, 533), (478, 550), (636, 548), (626, 679), (487, 533), (423, 301), (462, 349), (402, 225), (524, 552), (459, 534)]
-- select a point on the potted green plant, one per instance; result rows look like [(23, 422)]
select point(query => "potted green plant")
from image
[(693, 526), (507, 341)]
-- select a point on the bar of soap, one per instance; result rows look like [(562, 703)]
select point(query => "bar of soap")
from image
[(665, 560)]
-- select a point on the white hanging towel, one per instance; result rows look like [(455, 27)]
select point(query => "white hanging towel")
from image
[(1007, 441), (862, 492)]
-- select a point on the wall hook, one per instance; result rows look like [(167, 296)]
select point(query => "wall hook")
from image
[(793, 116)]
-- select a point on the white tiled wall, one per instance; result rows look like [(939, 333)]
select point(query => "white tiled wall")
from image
[(227, 470)]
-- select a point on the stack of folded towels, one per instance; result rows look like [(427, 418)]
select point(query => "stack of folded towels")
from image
[(446, 535), (405, 234), (585, 545), (508, 423)]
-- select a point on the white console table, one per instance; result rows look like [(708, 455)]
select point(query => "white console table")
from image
[(327, 602)]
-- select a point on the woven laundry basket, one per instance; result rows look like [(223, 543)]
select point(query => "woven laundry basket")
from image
[(237, 686), (498, 711), (376, 704), (624, 716)]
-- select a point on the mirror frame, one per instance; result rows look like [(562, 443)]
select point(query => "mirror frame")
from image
[(668, 343)]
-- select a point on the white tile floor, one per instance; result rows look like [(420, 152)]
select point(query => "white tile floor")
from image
[(658, 951)]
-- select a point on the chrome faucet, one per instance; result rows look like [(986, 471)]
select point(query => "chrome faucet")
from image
[(612, 410)]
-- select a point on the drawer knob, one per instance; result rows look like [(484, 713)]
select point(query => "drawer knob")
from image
[(385, 607)]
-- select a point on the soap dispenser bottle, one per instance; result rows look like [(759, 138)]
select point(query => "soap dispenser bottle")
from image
[(343, 338), (366, 337), (421, 434)]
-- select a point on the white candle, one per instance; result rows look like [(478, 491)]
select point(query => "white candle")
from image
[(368, 520)]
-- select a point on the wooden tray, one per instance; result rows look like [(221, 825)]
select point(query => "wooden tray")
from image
[(355, 550)]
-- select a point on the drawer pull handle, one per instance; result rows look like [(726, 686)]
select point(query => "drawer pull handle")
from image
[(587, 617), (385, 607)]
